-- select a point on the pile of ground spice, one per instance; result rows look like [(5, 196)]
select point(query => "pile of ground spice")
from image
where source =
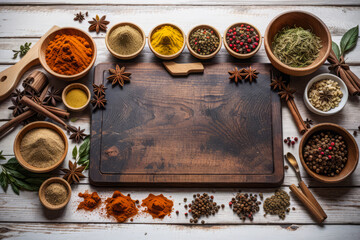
[(158, 206), (42, 147), (91, 201), (56, 193), (121, 207)]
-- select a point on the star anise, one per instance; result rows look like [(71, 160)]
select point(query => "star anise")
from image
[(77, 134), (251, 74), (16, 107), (287, 93), (98, 102), (119, 76), (74, 173), (79, 17), (277, 83), (98, 24), (99, 89), (17, 94), (53, 96), (236, 75), (308, 123), (325, 95)]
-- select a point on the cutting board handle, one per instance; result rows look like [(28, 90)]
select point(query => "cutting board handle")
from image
[(10, 77)]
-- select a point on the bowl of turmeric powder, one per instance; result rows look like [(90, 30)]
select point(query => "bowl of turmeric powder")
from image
[(68, 53), (167, 41)]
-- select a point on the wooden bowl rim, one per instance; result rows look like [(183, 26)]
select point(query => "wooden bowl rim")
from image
[(339, 130), (195, 54), (26, 129), (167, 57), (240, 55), (62, 76), (47, 183), (120, 56), (76, 86), (317, 63)]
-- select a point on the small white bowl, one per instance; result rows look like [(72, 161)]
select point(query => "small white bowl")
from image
[(343, 89)]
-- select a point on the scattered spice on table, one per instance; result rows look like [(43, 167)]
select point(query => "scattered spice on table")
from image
[(56, 193), (242, 39), (53, 96), (309, 122), (202, 205), (16, 107), (250, 74), (325, 95), (125, 40), (23, 50), (98, 24), (167, 40), (119, 76), (77, 134), (296, 46), (99, 89), (157, 206), (326, 153), (73, 173), (79, 17), (204, 41), (277, 83), (277, 204), (68, 54), (91, 201), (76, 98), (291, 141), (121, 207), (42, 147), (98, 102), (236, 74), (245, 205)]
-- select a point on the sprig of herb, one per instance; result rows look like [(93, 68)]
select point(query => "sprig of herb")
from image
[(347, 42), (23, 50), (19, 178), (82, 156)]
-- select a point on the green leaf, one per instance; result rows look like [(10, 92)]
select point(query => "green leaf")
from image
[(74, 152), (23, 185), (3, 181), (15, 174), (336, 50), (13, 166), (12, 160), (73, 119), (83, 159), (349, 40), (2, 156), (36, 181), (15, 188)]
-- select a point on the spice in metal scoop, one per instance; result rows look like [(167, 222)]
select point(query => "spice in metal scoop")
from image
[(204, 41), (277, 204)]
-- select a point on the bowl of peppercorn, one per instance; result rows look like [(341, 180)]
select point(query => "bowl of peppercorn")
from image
[(242, 40), (328, 153), (203, 41)]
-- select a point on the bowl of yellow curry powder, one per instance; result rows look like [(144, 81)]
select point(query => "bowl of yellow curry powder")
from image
[(167, 41), (76, 97)]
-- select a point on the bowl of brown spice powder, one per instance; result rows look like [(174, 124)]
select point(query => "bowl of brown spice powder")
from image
[(40, 147), (55, 193)]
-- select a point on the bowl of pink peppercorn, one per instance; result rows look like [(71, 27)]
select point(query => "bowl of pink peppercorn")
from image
[(242, 40)]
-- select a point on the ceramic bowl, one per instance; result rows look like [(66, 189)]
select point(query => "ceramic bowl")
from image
[(26, 129), (69, 31), (120, 56), (76, 86), (45, 184), (195, 54), (239, 55), (166, 57), (353, 152), (343, 88), (299, 19)]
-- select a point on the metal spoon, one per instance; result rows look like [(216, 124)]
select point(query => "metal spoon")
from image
[(293, 163)]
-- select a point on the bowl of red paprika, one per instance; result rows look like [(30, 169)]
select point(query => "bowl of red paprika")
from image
[(68, 53)]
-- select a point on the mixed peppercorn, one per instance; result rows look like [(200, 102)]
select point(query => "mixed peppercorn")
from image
[(204, 41), (242, 39)]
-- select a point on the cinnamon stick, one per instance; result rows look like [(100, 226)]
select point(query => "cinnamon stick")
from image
[(296, 116), (58, 112), (39, 80)]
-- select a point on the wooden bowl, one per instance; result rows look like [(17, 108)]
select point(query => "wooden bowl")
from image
[(69, 31), (195, 54), (239, 55), (45, 184), (125, 57), (166, 57), (300, 19), (76, 86), (26, 129), (353, 152)]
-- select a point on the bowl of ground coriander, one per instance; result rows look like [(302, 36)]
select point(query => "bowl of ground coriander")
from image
[(125, 40), (203, 41), (325, 94), (167, 41), (40, 147), (55, 193), (297, 43)]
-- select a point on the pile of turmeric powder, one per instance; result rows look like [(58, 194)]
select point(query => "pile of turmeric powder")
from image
[(167, 40), (68, 54)]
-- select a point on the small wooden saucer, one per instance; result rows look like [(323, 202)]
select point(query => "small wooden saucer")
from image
[(76, 86), (45, 184)]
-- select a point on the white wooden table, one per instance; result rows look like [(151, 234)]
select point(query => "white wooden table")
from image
[(23, 217)]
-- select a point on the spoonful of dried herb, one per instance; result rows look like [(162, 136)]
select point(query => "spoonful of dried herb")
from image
[(296, 47)]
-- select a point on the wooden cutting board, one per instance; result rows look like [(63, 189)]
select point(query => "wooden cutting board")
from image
[(195, 131)]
